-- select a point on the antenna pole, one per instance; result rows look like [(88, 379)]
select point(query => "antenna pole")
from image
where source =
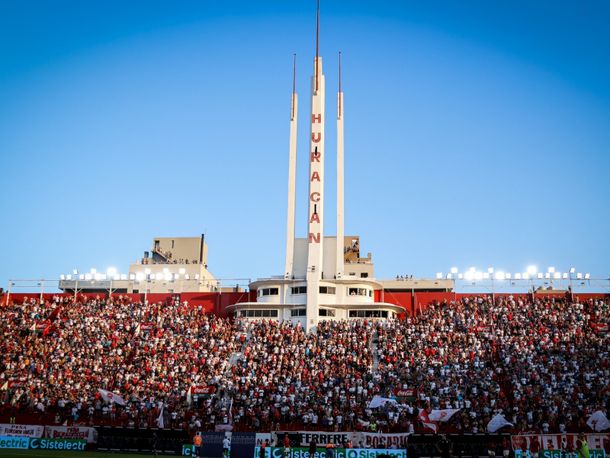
[(294, 83), (340, 91), (317, 41)]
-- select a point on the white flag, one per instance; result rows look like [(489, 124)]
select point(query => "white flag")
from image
[(378, 401), (442, 414), (161, 420), (598, 421), (496, 423), (109, 396)]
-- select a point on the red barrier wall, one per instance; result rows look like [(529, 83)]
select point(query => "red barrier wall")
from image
[(399, 298)]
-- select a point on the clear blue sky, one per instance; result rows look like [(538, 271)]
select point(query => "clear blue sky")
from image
[(477, 133)]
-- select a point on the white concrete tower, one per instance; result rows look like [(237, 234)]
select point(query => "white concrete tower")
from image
[(292, 171), (315, 215), (340, 264)]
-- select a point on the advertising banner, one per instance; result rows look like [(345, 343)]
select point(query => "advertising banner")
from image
[(7, 429), (358, 439), (71, 432), (301, 452), (58, 444), (558, 445), (11, 442), (262, 437)]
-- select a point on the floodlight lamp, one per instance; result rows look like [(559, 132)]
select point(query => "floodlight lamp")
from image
[(93, 271), (478, 275), (557, 275), (187, 277), (587, 276), (551, 270), (159, 276), (454, 270), (196, 276), (167, 276), (518, 276), (81, 277), (449, 276), (469, 275), (490, 270), (111, 271), (525, 275), (139, 276), (132, 276), (564, 275), (572, 270), (68, 277), (439, 275), (62, 277), (147, 271), (165, 270), (74, 272), (547, 275), (460, 276), (532, 270), (500, 275), (181, 271), (579, 276), (87, 276), (486, 275), (508, 276), (472, 269)]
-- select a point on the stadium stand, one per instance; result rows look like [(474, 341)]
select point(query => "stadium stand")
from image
[(541, 363)]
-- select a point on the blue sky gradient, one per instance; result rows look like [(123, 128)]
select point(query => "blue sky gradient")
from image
[(477, 133)]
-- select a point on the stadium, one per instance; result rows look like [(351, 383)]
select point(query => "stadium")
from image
[(324, 359)]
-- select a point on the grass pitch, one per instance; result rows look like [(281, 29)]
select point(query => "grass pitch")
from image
[(65, 454)]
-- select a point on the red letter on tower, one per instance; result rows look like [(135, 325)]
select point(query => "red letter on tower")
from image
[(316, 118), (314, 238), (314, 138), (315, 157), (314, 218), (315, 196), (315, 176)]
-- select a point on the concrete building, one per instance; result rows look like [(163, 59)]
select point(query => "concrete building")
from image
[(324, 276)]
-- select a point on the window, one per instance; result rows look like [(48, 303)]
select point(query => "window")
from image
[(327, 290), (259, 313), (326, 312), (268, 292), (368, 314), (364, 274), (298, 312), (359, 292), (298, 290)]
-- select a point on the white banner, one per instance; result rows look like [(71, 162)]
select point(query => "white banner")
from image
[(380, 440), (71, 432), (7, 429), (321, 438)]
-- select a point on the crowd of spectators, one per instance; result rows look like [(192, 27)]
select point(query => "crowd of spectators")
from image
[(542, 364)]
